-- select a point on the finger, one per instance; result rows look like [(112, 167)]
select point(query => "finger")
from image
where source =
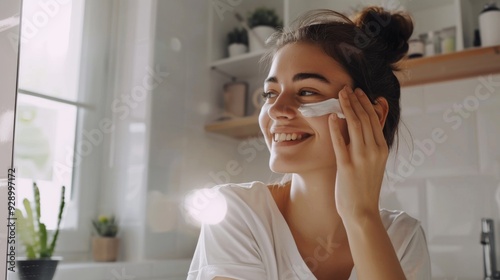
[(339, 147), (362, 114), (377, 132), (353, 122)]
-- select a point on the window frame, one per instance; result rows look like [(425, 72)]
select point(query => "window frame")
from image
[(74, 242)]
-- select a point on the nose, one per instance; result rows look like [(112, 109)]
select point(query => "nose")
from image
[(284, 107)]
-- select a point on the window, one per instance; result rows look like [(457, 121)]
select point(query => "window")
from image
[(48, 104)]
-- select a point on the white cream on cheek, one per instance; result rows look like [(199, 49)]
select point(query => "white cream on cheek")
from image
[(317, 109)]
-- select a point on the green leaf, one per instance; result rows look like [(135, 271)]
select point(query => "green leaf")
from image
[(30, 252), (36, 193), (30, 224), (42, 233), (22, 229), (59, 217)]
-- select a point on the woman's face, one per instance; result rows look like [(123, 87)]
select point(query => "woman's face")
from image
[(300, 73)]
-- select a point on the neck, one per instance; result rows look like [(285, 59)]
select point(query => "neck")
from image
[(311, 212)]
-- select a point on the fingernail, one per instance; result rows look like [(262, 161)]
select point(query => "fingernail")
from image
[(359, 92)]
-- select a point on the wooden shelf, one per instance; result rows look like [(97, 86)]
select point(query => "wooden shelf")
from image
[(458, 65), (239, 128)]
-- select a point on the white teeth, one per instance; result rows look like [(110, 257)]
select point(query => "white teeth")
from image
[(280, 137)]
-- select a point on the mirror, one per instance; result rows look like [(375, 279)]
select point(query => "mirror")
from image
[(113, 100)]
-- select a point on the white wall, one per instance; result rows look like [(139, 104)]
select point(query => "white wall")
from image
[(456, 181), (9, 34), (9, 40), (182, 155)]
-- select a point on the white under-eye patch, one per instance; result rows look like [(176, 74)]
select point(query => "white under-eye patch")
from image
[(317, 109)]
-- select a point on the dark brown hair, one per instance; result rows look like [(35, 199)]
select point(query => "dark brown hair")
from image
[(368, 47)]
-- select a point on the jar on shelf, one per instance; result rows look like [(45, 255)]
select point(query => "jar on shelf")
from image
[(432, 43), (415, 48), (448, 39)]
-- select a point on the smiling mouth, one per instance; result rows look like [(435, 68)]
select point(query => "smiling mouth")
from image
[(289, 137)]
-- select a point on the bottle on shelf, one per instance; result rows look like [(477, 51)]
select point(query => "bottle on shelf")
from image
[(489, 25), (477, 38)]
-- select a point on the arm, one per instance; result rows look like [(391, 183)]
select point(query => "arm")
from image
[(371, 248), (360, 168)]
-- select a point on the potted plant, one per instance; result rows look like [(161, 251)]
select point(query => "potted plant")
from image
[(263, 23), (105, 245), (237, 42), (39, 262)]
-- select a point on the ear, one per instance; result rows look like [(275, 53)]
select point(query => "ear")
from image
[(381, 107)]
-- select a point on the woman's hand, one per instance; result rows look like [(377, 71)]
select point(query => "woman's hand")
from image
[(361, 162)]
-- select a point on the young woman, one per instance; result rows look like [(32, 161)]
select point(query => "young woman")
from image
[(331, 114)]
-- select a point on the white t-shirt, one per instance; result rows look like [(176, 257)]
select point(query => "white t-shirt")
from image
[(253, 241)]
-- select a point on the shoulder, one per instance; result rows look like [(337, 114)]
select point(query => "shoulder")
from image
[(249, 193), (228, 202), (409, 241), (401, 228), (397, 219), (228, 242)]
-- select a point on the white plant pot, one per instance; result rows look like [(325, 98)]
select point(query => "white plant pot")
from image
[(263, 33), (237, 49)]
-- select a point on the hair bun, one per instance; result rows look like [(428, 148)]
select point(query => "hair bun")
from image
[(389, 32)]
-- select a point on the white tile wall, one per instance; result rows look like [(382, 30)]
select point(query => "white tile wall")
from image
[(459, 182)]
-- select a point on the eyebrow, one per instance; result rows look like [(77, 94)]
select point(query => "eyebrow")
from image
[(302, 76)]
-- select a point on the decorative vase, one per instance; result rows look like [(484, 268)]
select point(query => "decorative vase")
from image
[(105, 249), (39, 269), (236, 49), (263, 33)]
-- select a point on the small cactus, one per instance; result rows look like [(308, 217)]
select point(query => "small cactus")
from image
[(32, 232)]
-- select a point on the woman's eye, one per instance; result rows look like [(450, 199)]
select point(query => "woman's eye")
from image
[(268, 95), (307, 93)]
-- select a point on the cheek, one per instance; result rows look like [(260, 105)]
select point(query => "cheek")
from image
[(323, 130)]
